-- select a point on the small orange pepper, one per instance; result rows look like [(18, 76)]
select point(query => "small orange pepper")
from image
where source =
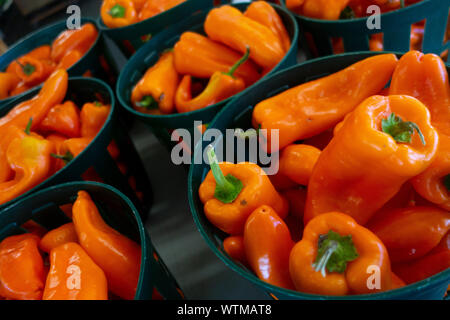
[(33, 71), (118, 13), (63, 119), (59, 236), (234, 247), (8, 81), (297, 162), (154, 7), (69, 59), (92, 117)]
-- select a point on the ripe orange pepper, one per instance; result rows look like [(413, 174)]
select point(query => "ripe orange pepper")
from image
[(221, 85), (59, 236), (234, 247), (228, 25), (77, 39), (297, 162), (76, 145), (22, 273), (231, 192), (64, 119), (396, 282), (319, 9), (58, 143), (154, 7), (313, 107), (20, 88), (334, 257), (74, 275), (156, 90), (69, 59), (435, 261), (8, 81), (410, 233), (33, 71), (425, 78), (39, 53), (379, 134), (199, 56), (268, 243), (264, 13), (92, 117), (118, 13), (118, 256)]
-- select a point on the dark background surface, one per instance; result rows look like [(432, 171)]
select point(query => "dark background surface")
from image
[(199, 272)]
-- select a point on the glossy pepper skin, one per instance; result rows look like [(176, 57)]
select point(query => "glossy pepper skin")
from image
[(73, 275), (63, 119), (93, 116), (355, 278), (268, 243), (22, 275), (69, 59), (57, 237), (118, 256), (156, 90), (154, 7), (319, 9), (229, 26), (341, 179), (264, 13), (297, 162), (221, 85), (118, 13), (256, 190), (424, 76), (410, 233), (313, 107), (8, 81), (201, 57)]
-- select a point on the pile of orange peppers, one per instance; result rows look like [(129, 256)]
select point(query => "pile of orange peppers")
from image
[(363, 181), (238, 49), (84, 259), (122, 13), (41, 135), (36, 66)]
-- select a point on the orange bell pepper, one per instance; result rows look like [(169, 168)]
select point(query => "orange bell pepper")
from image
[(57, 237), (156, 90), (234, 247), (379, 134), (39, 53), (264, 13), (411, 233), (231, 192), (118, 13), (335, 255), (199, 56), (268, 243), (73, 275), (425, 78), (22, 273), (8, 81), (319, 9), (221, 85), (228, 25), (64, 119), (154, 7), (33, 71), (92, 117), (297, 162), (118, 256), (313, 107)]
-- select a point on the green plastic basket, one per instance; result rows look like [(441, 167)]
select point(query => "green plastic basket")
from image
[(237, 114), (81, 90), (395, 26), (148, 55), (117, 210), (89, 62), (130, 38)]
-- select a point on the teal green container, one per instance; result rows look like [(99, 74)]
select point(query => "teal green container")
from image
[(395, 26), (89, 62), (130, 38), (237, 114), (148, 55), (81, 90), (116, 209)]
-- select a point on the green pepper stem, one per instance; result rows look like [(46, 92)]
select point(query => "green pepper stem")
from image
[(323, 260), (239, 63), (447, 182), (28, 127), (117, 11), (28, 69), (221, 181), (400, 130), (67, 157), (147, 102)]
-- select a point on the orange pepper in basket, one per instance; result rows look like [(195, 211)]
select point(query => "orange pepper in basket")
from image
[(297, 162), (154, 7), (118, 13), (63, 119), (92, 117), (57, 237)]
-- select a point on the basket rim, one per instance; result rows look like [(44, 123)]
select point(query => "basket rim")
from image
[(247, 274)]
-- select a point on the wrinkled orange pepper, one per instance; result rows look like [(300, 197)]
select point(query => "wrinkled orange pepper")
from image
[(234, 247), (231, 192), (92, 117), (63, 119), (118, 256), (59, 236), (73, 275), (199, 56), (154, 7), (228, 25), (268, 243), (410, 233), (8, 81), (22, 273), (297, 162), (313, 107), (383, 143), (118, 13), (334, 255), (156, 90)]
